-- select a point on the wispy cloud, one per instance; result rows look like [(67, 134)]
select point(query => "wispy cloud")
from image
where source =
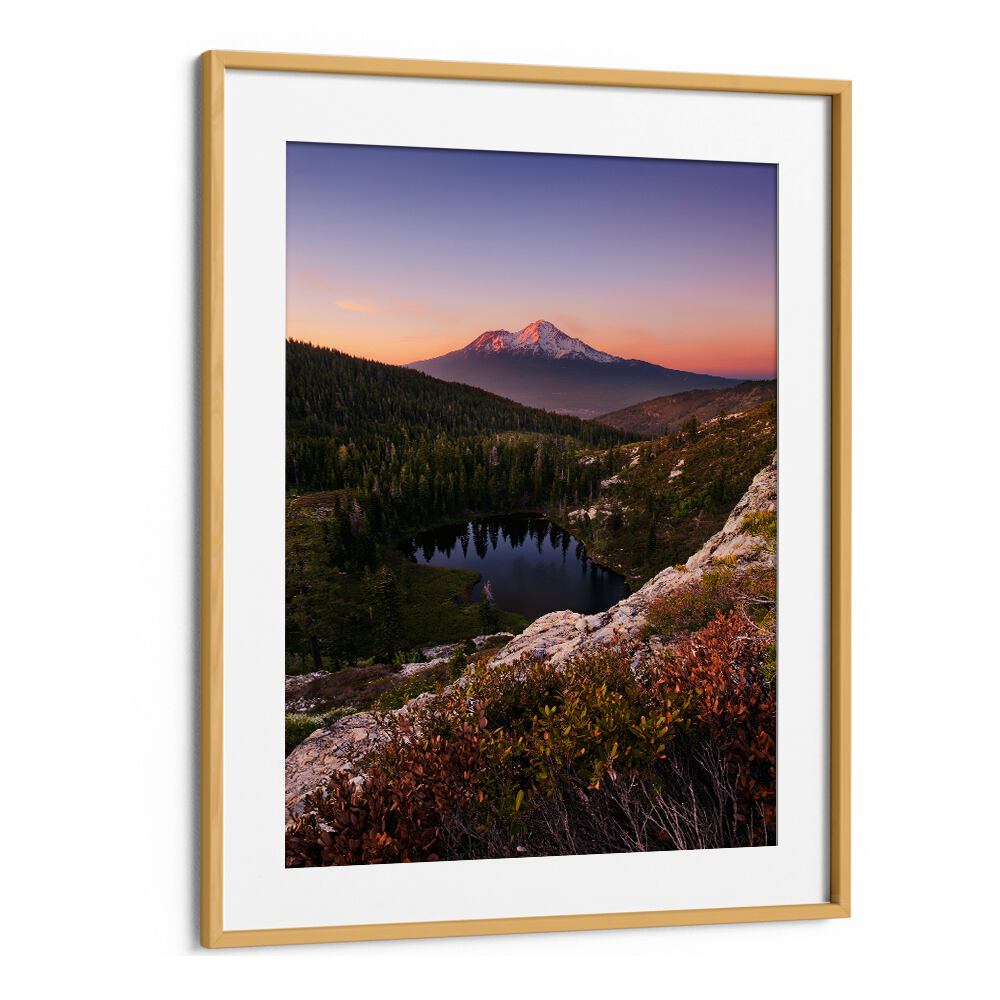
[(356, 306)]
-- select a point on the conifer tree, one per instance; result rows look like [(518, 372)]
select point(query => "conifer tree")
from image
[(384, 607), (489, 617)]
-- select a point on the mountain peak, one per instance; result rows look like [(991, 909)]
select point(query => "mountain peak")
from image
[(543, 367), (541, 327), (538, 339)]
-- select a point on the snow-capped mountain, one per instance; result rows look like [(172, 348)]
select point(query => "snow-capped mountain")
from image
[(542, 366), (539, 338)]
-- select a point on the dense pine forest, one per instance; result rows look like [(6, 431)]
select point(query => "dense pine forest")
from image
[(354, 423), (389, 449)]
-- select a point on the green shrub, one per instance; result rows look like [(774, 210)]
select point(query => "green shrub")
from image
[(299, 725), (716, 591), (458, 663), (336, 714), (694, 606), (431, 679), (769, 668), (763, 523), (587, 716)]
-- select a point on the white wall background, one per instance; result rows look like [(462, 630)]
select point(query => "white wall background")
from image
[(98, 397)]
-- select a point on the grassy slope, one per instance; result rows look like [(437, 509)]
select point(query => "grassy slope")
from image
[(667, 413), (435, 609), (688, 508), (438, 609)]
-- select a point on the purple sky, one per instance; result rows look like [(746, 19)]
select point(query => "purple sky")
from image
[(401, 254)]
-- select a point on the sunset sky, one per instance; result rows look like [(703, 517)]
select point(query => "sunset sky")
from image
[(404, 254)]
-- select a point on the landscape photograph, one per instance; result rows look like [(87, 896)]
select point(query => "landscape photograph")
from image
[(530, 505)]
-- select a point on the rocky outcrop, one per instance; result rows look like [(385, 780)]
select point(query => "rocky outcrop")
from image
[(343, 744), (316, 691), (556, 637), (436, 655), (562, 634)]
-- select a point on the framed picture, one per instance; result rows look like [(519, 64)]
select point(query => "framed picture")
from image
[(526, 480)]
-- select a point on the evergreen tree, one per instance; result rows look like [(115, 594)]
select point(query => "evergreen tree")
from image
[(489, 617), (306, 584), (385, 610), (651, 537)]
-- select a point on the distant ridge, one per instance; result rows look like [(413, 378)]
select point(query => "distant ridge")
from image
[(666, 414), (544, 367)]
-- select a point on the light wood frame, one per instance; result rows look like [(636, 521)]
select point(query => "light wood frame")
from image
[(214, 66)]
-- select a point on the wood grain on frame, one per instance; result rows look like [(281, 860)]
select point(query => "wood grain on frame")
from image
[(214, 66)]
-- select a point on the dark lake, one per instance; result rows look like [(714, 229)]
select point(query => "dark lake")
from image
[(532, 565)]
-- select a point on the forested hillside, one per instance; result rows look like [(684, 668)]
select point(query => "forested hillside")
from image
[(382, 415), (675, 492), (390, 449), (374, 451)]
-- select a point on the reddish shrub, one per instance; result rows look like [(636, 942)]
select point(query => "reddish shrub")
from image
[(733, 705), (399, 812)]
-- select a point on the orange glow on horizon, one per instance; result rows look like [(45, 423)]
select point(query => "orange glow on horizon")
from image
[(404, 254), (751, 354)]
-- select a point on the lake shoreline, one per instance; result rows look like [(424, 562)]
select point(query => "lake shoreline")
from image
[(474, 515), (533, 562)]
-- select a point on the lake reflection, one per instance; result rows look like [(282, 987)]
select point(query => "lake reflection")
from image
[(532, 565)]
